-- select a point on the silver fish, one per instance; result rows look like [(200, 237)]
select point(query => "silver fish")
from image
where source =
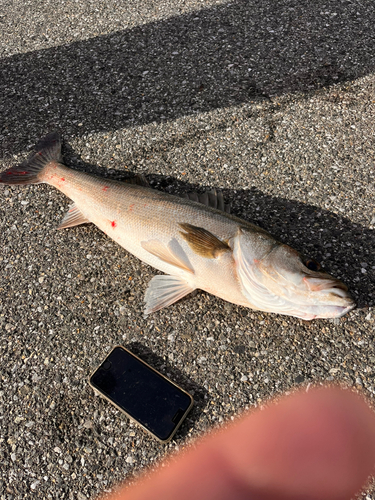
[(198, 245)]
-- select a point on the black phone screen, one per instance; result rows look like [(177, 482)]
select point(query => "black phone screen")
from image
[(144, 394)]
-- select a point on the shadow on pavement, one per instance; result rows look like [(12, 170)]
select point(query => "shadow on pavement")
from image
[(239, 52)]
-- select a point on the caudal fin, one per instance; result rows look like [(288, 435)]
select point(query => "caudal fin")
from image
[(30, 171)]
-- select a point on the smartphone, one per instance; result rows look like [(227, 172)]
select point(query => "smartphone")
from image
[(142, 393)]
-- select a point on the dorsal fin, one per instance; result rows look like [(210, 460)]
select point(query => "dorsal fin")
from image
[(213, 199), (202, 242), (138, 179)]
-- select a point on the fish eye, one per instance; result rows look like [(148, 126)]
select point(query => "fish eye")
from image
[(313, 265)]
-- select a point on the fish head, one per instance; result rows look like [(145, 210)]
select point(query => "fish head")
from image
[(277, 278)]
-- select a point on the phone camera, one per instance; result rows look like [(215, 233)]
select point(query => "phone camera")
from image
[(106, 365)]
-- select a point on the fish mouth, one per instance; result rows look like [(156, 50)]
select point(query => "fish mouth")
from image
[(338, 311), (319, 284), (345, 310), (330, 287), (329, 312), (332, 298), (323, 311)]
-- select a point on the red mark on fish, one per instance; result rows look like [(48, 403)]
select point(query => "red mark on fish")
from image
[(62, 178), (131, 207), (113, 223), (105, 188)]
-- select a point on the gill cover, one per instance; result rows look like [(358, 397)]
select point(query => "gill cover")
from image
[(249, 249)]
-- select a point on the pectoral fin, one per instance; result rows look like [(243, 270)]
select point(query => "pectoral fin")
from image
[(172, 254), (163, 291), (202, 242), (73, 217)]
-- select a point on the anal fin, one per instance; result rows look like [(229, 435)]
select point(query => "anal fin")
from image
[(163, 291), (73, 217)]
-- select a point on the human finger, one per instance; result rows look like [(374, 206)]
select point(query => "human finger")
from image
[(315, 445)]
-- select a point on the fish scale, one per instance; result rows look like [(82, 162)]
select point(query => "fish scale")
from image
[(131, 214), (195, 244)]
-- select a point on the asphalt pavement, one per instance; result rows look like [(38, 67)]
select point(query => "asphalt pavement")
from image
[(273, 104)]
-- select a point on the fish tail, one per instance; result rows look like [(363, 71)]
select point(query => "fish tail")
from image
[(31, 170)]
